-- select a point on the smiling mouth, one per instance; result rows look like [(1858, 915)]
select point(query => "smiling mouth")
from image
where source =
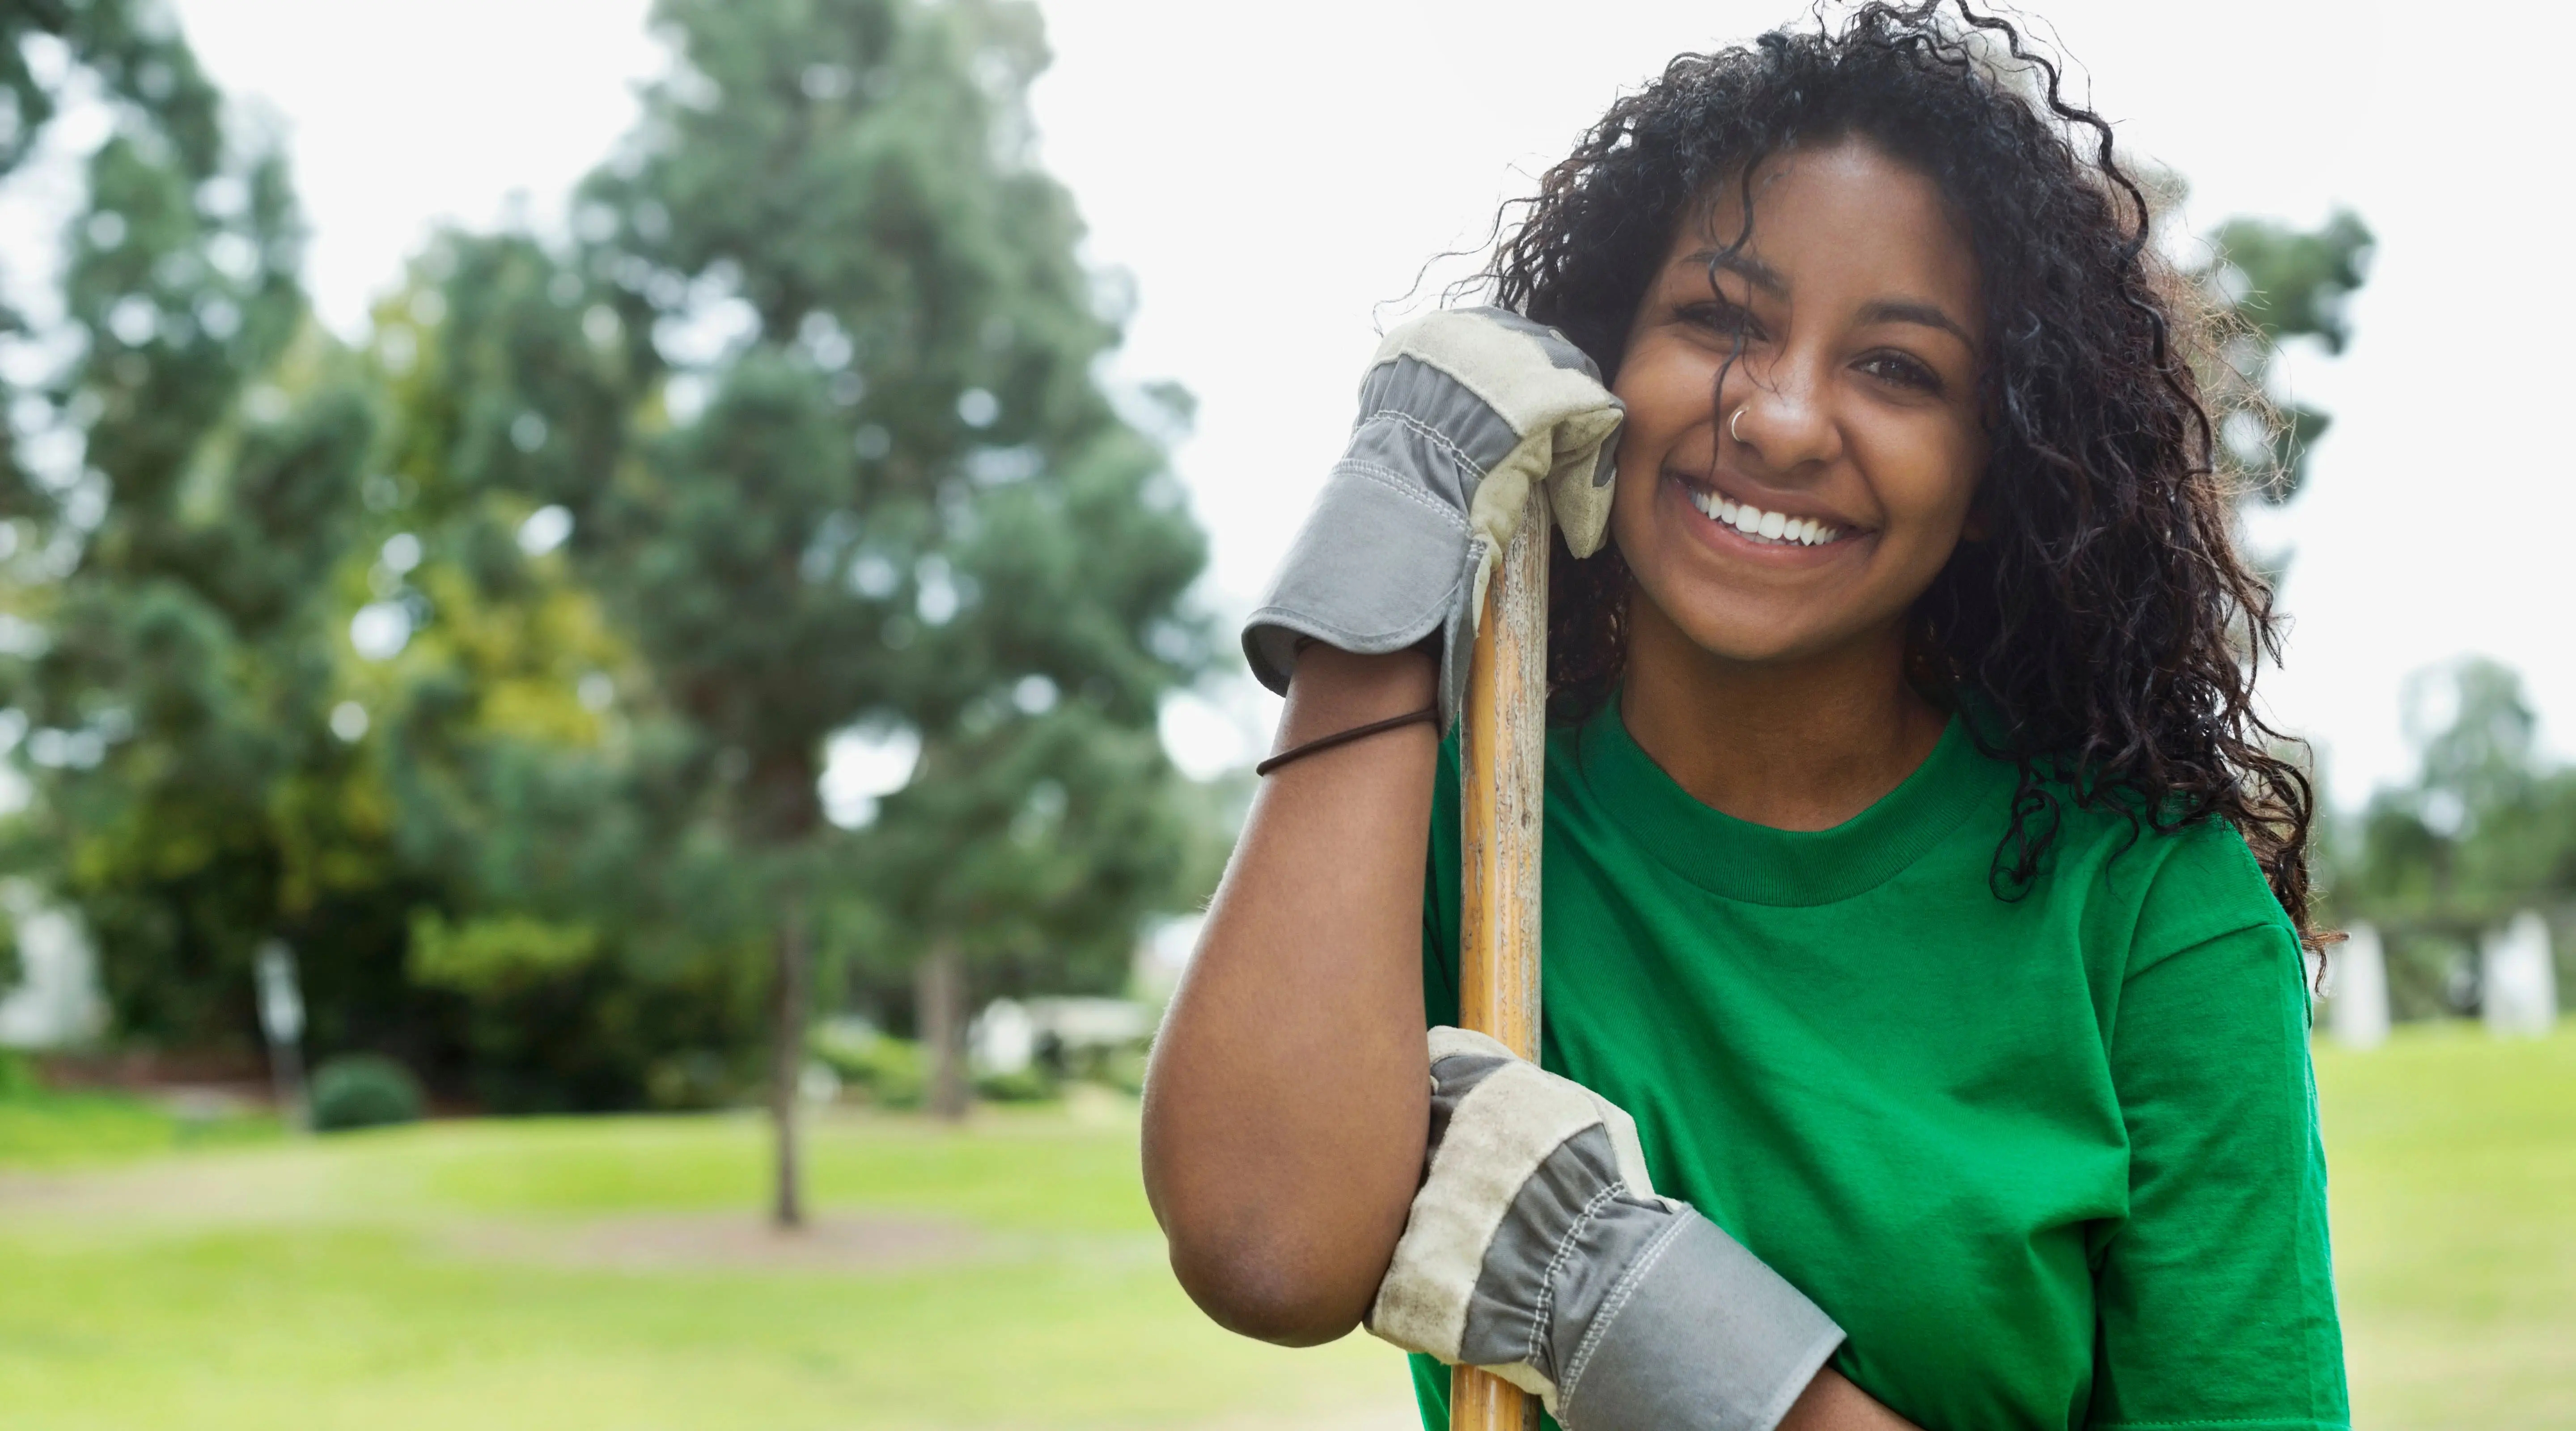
[(1761, 527)]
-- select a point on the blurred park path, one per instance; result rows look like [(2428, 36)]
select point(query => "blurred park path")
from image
[(613, 1273)]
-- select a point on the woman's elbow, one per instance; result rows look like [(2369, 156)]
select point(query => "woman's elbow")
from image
[(1287, 1249), (1272, 1288)]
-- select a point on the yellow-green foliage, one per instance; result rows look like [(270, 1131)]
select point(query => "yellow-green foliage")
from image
[(497, 953)]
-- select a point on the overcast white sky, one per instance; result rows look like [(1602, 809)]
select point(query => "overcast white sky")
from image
[(1271, 176)]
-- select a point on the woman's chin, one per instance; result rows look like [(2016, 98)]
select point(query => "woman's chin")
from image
[(1743, 630), (1737, 648), (1727, 636)]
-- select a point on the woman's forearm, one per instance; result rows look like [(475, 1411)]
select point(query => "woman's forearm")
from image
[(1832, 1403), (1287, 1106)]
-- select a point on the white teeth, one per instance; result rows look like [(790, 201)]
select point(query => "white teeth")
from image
[(1770, 526)]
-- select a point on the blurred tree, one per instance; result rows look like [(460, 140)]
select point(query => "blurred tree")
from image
[(519, 740), (2265, 283), (2274, 283), (2486, 829), (182, 480), (815, 398)]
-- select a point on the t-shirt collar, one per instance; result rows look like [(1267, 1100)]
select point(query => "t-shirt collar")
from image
[(1756, 863)]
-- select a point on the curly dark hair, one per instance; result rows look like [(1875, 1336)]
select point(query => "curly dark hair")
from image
[(2107, 632)]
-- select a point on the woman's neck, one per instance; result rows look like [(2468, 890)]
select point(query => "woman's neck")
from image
[(1795, 745)]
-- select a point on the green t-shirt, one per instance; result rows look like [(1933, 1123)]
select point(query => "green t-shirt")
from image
[(2050, 1161)]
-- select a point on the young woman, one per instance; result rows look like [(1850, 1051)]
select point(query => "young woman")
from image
[(1918, 874)]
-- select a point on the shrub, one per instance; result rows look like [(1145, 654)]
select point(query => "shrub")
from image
[(890, 1069), (846, 1044), (1124, 1069), (1028, 1085), (894, 1074), (363, 1090), (689, 1080)]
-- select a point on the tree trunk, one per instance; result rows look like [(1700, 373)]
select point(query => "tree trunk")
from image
[(939, 1007), (787, 1069)]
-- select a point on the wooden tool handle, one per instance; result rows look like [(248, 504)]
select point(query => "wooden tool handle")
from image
[(1502, 769)]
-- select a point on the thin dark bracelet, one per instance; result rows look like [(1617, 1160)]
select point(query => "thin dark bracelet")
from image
[(1429, 714)]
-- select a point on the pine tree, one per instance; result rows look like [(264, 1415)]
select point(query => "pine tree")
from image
[(530, 811), (181, 487), (816, 389)]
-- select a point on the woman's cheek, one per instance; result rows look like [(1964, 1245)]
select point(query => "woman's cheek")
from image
[(1632, 500), (1924, 468)]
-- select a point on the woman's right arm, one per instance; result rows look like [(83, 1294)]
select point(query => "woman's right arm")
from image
[(1288, 1102)]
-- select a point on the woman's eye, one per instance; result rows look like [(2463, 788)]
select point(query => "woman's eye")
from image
[(1717, 315), (1903, 371)]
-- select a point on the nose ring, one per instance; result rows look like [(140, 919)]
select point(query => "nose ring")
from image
[(1732, 424)]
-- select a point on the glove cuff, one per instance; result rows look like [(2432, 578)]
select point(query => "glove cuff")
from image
[(1696, 1331), (1377, 567)]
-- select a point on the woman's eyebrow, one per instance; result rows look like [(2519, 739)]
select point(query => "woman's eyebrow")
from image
[(1904, 310), (1886, 310), (1744, 265)]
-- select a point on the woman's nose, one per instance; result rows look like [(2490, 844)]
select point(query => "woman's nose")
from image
[(1782, 418)]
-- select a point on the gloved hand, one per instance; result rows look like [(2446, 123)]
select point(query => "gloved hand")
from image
[(1538, 1250), (1463, 411)]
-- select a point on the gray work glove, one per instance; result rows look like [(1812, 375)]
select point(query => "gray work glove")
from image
[(1538, 1250), (1463, 411)]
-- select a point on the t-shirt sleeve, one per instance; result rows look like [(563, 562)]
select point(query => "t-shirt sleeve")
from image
[(1440, 894), (2215, 1295)]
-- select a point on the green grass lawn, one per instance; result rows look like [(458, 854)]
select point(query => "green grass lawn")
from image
[(2453, 1167), (419, 1277), (608, 1272), (71, 1129)]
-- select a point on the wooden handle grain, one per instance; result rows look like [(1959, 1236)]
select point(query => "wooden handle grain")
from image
[(1502, 769)]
